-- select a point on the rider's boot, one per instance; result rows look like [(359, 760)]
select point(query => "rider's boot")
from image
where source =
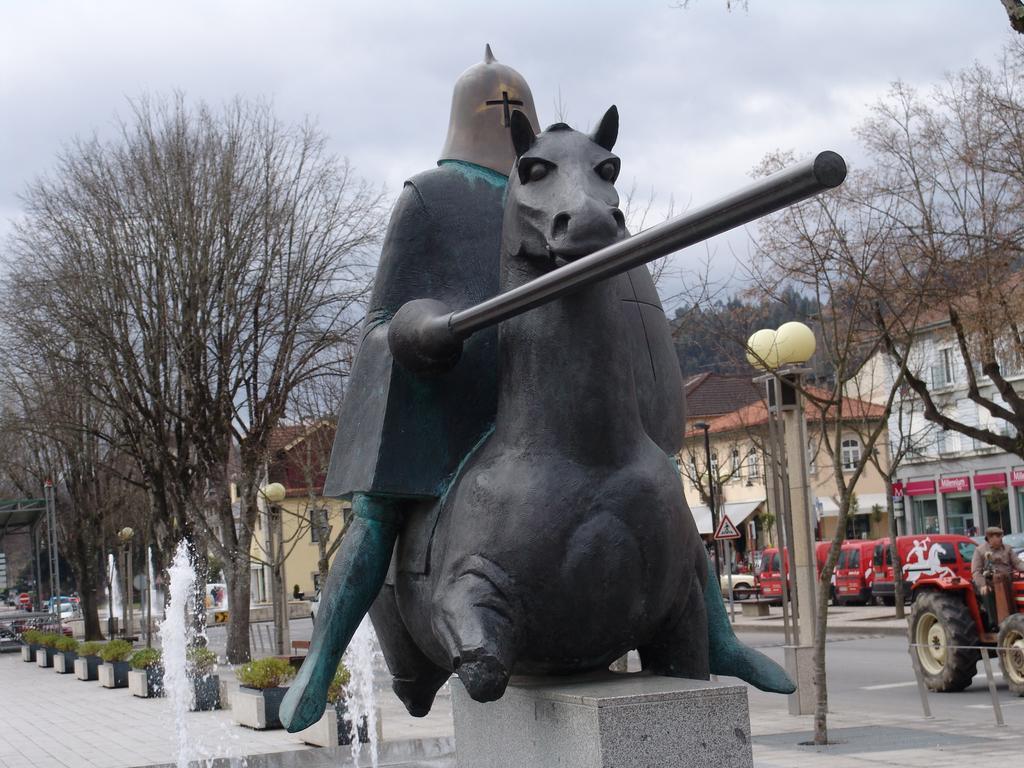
[(731, 657), (355, 579)]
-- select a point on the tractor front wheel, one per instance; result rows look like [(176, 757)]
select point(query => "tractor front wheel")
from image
[(1011, 652), (938, 624)]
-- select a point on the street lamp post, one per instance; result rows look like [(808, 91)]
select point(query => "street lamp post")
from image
[(273, 494), (711, 495), (782, 354), (125, 536)]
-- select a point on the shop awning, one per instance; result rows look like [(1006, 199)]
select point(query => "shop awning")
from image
[(829, 507), (738, 511)]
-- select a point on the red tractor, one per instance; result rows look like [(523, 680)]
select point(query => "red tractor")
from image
[(948, 613)]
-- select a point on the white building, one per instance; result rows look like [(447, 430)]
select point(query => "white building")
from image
[(951, 483)]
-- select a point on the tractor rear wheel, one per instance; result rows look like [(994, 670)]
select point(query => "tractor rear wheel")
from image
[(1011, 652), (938, 623)]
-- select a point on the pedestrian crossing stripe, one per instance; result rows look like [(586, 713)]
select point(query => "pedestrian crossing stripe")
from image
[(726, 530)]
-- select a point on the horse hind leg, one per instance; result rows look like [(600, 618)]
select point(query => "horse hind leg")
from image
[(680, 648), (415, 679), (475, 620)]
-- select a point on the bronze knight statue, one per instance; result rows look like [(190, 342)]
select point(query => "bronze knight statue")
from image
[(517, 507)]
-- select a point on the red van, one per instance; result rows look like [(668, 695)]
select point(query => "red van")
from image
[(924, 557), (770, 577), (854, 573)]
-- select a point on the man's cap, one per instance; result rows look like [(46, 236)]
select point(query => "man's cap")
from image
[(993, 530)]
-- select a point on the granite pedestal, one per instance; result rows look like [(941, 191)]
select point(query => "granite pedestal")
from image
[(605, 721)]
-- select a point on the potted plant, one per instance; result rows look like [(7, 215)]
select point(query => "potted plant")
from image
[(67, 652), (46, 651), (205, 684), (335, 727), (146, 678), (30, 644), (257, 702), (114, 671), (88, 662)]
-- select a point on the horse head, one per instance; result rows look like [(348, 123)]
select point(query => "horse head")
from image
[(562, 202)]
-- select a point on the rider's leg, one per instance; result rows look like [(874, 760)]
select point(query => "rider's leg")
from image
[(355, 579), (731, 657)]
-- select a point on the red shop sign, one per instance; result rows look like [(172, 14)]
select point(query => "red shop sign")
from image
[(924, 487), (1017, 477), (897, 490), (993, 480), (954, 484)]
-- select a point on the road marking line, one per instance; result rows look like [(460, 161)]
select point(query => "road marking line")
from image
[(888, 685)]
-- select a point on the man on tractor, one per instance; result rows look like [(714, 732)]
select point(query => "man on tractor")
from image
[(991, 559)]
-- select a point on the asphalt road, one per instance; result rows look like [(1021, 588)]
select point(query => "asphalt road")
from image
[(874, 674)]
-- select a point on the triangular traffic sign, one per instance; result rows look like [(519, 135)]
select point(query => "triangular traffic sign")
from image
[(726, 530)]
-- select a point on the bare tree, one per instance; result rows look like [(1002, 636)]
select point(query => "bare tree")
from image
[(952, 160), (212, 261)]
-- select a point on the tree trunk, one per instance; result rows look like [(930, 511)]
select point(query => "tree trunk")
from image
[(236, 571)]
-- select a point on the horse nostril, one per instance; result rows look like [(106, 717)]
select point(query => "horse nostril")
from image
[(561, 225), (619, 218)]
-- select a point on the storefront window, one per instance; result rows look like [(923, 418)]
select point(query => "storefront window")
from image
[(997, 507), (926, 515), (1020, 509), (960, 515), (858, 526)]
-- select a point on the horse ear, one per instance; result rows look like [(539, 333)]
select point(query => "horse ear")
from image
[(608, 129), (522, 132)]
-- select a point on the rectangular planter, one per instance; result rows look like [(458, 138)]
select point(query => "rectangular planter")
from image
[(114, 674), (44, 657), (28, 653), (87, 667), (335, 728), (146, 683), (64, 662), (256, 708), (205, 694)]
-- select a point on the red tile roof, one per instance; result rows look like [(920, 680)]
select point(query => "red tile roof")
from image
[(714, 394)]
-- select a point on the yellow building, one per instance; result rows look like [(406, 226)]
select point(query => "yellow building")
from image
[(310, 524), (738, 442)]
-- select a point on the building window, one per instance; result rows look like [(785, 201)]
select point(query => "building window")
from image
[(694, 476), (753, 467), (850, 453), (317, 524), (942, 371), (736, 462), (714, 464)]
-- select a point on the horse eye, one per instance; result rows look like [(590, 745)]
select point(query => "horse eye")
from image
[(607, 170), (537, 172)]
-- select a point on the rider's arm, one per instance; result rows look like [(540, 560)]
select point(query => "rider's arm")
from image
[(978, 567)]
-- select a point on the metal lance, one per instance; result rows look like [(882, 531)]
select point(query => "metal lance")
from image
[(430, 335)]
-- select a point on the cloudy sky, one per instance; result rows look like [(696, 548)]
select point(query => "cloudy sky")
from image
[(703, 93)]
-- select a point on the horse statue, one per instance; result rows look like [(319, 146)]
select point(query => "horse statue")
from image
[(565, 540)]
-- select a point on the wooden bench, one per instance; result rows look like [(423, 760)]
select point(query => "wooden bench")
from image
[(300, 645), (755, 607)]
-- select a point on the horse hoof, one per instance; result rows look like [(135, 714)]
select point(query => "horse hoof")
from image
[(417, 698), (483, 675)]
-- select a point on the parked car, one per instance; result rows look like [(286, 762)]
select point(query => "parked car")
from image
[(923, 558), (854, 573), (314, 605), (68, 609), (743, 585)]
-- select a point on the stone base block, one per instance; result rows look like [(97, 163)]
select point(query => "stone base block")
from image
[(44, 657), (800, 665), (113, 674), (259, 709), (87, 668), (64, 663), (137, 685), (605, 720), (28, 653)]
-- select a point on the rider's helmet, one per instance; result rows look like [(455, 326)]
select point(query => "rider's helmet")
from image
[(482, 104)]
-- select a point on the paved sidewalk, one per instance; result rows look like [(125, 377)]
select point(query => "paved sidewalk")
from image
[(55, 721), (842, 620)]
